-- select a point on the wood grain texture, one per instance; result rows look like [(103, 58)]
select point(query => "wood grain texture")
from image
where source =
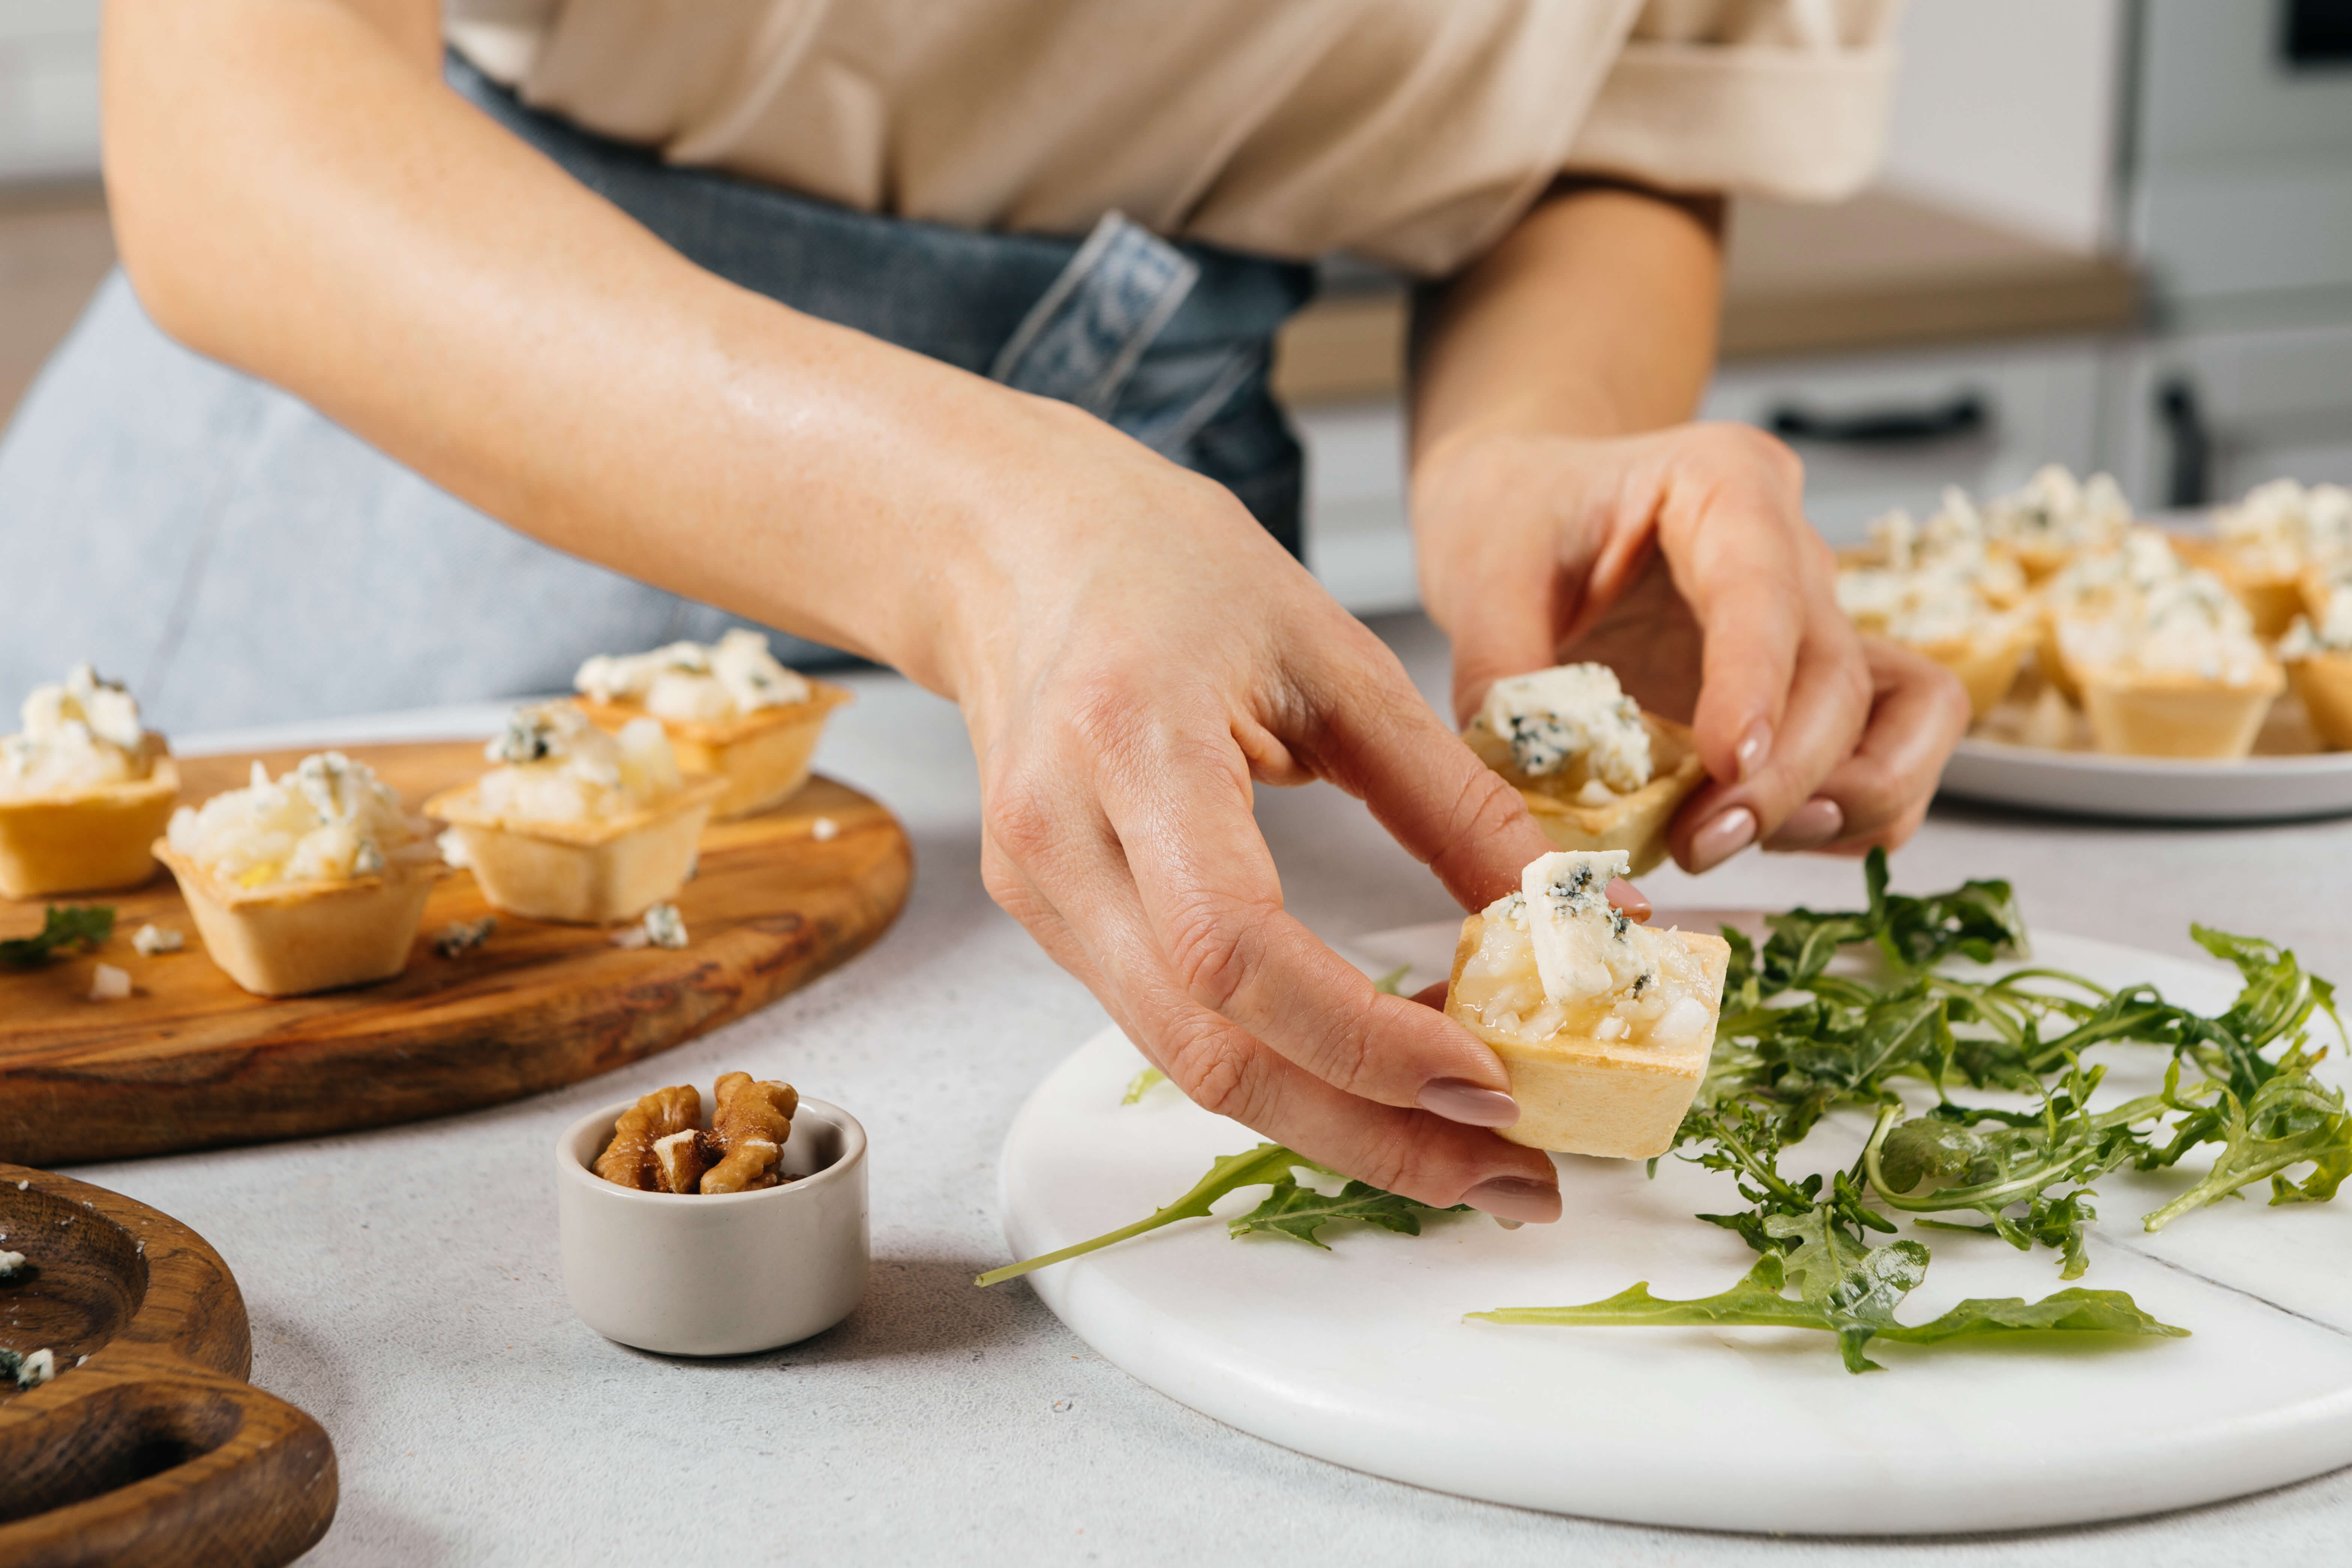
[(190, 1061), (148, 1447)]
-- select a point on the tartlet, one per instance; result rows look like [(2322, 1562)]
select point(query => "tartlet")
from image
[(1596, 772), (2318, 652), (1605, 1027), (2265, 584), (630, 846), (2053, 518), (84, 791), (289, 905), (730, 710), (2176, 673)]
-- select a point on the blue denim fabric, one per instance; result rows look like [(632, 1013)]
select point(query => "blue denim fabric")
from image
[(240, 559)]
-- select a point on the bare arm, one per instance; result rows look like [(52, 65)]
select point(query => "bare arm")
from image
[(299, 194), (1562, 509)]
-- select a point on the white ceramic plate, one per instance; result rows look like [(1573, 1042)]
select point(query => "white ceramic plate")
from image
[(2091, 784), (1361, 1355)]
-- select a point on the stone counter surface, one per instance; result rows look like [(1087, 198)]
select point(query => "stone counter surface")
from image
[(405, 1290)]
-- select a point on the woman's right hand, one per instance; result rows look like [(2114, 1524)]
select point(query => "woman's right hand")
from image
[(1132, 653)]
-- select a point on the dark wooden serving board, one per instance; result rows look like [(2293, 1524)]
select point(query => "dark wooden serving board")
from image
[(153, 1450), (189, 1061)]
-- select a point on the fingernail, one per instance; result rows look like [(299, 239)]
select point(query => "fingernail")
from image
[(1753, 748), (1814, 823), (1624, 895), (1457, 1099), (1514, 1197), (1721, 839), (1507, 1224)]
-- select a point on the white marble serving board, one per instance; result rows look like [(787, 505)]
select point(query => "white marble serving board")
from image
[(1361, 1355)]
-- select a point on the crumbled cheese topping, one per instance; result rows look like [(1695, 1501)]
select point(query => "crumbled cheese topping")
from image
[(2281, 525), (327, 820), (1953, 543), (2185, 625), (695, 681), (29, 1371), (1570, 717), (151, 939), (2332, 632), (81, 735), (2055, 508), (559, 767), (1555, 957), (1924, 607)]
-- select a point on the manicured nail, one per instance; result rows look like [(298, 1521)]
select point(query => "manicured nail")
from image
[(1624, 895), (1810, 825), (1457, 1099), (1507, 1224), (1514, 1197), (1721, 839), (1753, 748)]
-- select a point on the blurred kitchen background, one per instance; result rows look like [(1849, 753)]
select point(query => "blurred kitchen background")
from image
[(2114, 234)]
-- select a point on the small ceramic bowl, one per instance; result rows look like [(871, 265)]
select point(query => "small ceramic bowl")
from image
[(726, 1274)]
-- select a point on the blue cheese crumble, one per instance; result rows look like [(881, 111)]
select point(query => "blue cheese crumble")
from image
[(1568, 717), (691, 681)]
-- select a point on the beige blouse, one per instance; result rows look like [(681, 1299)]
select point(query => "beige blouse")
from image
[(1413, 132)]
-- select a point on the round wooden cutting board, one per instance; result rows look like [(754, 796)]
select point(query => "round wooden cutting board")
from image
[(148, 1446), (190, 1061)]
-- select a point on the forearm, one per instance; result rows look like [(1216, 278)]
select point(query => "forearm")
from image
[(1595, 316), (298, 194)]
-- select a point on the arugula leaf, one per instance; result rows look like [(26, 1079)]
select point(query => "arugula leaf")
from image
[(1298, 1212), (1141, 1084), (2294, 1120), (1393, 983), (63, 928), (1258, 1167), (1858, 1308)]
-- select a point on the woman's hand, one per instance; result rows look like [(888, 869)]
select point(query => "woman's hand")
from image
[(1683, 558), (1132, 657)]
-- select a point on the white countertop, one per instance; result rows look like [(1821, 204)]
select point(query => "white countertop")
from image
[(404, 1287)]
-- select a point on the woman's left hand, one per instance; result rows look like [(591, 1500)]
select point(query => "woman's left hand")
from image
[(1683, 558)]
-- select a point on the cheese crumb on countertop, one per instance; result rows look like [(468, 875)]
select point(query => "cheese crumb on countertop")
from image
[(327, 818), (1571, 715), (556, 767), (695, 681), (81, 734)]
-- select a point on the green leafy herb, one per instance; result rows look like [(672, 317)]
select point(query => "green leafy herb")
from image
[(1388, 984), (1298, 1212), (1141, 1084), (63, 928), (1857, 1309)]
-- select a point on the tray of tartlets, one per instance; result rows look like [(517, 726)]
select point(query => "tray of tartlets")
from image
[(2118, 669), (354, 937)]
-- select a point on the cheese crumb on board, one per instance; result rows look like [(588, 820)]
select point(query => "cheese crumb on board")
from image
[(108, 984), (825, 829), (28, 1371), (149, 940), (11, 1263)]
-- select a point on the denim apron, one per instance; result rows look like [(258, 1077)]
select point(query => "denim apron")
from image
[(241, 559)]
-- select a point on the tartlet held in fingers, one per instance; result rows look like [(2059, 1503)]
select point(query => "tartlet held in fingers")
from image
[(84, 790), (575, 825), (313, 882), (729, 707), (1596, 772), (1605, 1027)]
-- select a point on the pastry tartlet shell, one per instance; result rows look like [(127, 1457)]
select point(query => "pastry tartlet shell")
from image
[(1579, 1095), (2143, 716), (1636, 823), (2271, 598), (1985, 668), (2323, 681), (590, 872), (294, 938), (90, 839), (764, 756)]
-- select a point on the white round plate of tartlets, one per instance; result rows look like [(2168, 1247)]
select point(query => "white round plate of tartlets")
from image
[(2288, 777)]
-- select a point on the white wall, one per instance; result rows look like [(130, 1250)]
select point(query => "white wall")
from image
[(48, 89), (2008, 107)]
